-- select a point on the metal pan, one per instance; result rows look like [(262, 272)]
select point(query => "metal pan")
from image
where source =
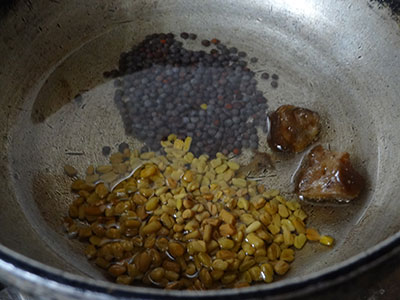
[(339, 58)]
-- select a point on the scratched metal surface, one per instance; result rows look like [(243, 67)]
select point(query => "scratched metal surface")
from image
[(335, 57)]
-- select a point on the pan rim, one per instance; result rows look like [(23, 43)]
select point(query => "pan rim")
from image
[(31, 276)]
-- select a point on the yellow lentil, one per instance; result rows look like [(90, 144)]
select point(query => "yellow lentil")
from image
[(201, 225)]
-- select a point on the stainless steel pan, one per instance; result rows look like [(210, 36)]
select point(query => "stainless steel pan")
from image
[(340, 58)]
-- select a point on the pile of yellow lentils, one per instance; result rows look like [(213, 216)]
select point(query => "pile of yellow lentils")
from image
[(181, 222)]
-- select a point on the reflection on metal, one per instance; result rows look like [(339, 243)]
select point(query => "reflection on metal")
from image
[(314, 46), (304, 8)]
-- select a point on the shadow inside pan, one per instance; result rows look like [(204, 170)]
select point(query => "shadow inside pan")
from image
[(72, 115)]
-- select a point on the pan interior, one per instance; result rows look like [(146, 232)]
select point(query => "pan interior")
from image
[(338, 61)]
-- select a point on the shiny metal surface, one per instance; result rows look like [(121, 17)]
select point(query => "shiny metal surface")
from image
[(338, 58)]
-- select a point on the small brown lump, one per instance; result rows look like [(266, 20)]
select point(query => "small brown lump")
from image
[(293, 128), (328, 175)]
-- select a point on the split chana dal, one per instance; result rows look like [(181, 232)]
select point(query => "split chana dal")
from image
[(186, 222)]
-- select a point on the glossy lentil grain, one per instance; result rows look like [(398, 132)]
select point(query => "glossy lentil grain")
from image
[(171, 235)]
